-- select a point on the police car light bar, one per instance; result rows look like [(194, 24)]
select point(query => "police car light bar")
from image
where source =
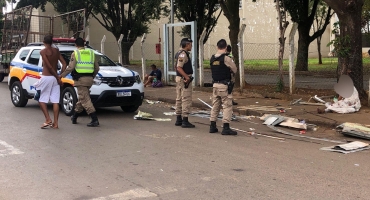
[(64, 40)]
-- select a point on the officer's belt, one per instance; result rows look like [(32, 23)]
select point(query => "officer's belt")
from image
[(76, 76), (225, 82), (190, 75)]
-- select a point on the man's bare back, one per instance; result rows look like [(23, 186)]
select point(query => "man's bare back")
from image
[(50, 57)]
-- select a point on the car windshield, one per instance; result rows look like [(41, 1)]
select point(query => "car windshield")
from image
[(103, 60)]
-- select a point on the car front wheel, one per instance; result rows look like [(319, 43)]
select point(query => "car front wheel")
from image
[(129, 109), (68, 100), (17, 95)]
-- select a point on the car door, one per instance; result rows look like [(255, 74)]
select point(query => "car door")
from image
[(34, 69)]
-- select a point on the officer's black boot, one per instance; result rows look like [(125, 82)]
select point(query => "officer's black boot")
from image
[(178, 120), (74, 117), (94, 120), (227, 130), (186, 123), (234, 103), (213, 128)]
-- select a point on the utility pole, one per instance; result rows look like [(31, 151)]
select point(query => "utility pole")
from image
[(173, 36)]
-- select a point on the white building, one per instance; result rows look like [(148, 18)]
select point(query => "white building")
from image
[(261, 34)]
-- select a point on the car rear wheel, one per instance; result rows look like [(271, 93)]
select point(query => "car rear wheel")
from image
[(68, 100), (129, 109), (17, 95)]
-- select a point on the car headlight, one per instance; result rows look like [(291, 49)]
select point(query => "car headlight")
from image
[(138, 79), (97, 80)]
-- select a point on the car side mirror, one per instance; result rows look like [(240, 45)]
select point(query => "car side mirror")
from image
[(119, 64)]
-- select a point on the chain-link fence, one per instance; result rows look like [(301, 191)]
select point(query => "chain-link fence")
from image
[(71, 24), (261, 64), (21, 27)]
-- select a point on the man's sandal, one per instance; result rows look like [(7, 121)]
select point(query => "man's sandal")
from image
[(46, 125)]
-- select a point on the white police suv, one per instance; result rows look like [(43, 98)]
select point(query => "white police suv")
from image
[(114, 85)]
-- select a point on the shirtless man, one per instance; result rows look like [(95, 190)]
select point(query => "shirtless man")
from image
[(50, 82)]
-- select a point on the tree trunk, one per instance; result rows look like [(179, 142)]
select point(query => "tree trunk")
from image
[(126, 46), (349, 14), (303, 44), (281, 58), (350, 27), (283, 24), (319, 49), (233, 36), (231, 12)]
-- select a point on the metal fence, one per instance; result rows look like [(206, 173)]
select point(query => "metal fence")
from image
[(71, 24), (261, 64)]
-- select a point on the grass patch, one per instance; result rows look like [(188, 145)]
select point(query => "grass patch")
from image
[(328, 64)]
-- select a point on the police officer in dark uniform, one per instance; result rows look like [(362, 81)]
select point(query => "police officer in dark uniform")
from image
[(184, 89), (222, 67)]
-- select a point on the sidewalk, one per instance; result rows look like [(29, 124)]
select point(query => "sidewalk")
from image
[(248, 100)]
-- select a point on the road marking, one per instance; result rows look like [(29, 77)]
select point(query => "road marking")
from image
[(9, 149), (164, 190), (138, 193), (130, 194)]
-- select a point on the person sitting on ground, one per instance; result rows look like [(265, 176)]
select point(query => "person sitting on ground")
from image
[(154, 77), (344, 105)]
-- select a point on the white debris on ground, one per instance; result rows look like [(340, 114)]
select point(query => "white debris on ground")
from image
[(152, 102), (148, 116), (169, 113), (348, 148)]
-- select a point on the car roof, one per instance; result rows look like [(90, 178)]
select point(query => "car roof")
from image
[(60, 47)]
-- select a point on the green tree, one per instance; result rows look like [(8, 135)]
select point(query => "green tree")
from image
[(202, 11), (34, 3), (319, 23), (230, 9), (303, 12), (366, 21), (128, 17), (61, 6), (366, 17), (350, 14)]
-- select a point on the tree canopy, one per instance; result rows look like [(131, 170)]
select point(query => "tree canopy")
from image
[(131, 18), (366, 16), (205, 12), (34, 3), (61, 6)]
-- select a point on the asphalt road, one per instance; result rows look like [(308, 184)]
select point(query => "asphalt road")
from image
[(132, 159)]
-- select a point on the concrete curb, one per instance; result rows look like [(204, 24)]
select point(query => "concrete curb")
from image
[(247, 112)]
